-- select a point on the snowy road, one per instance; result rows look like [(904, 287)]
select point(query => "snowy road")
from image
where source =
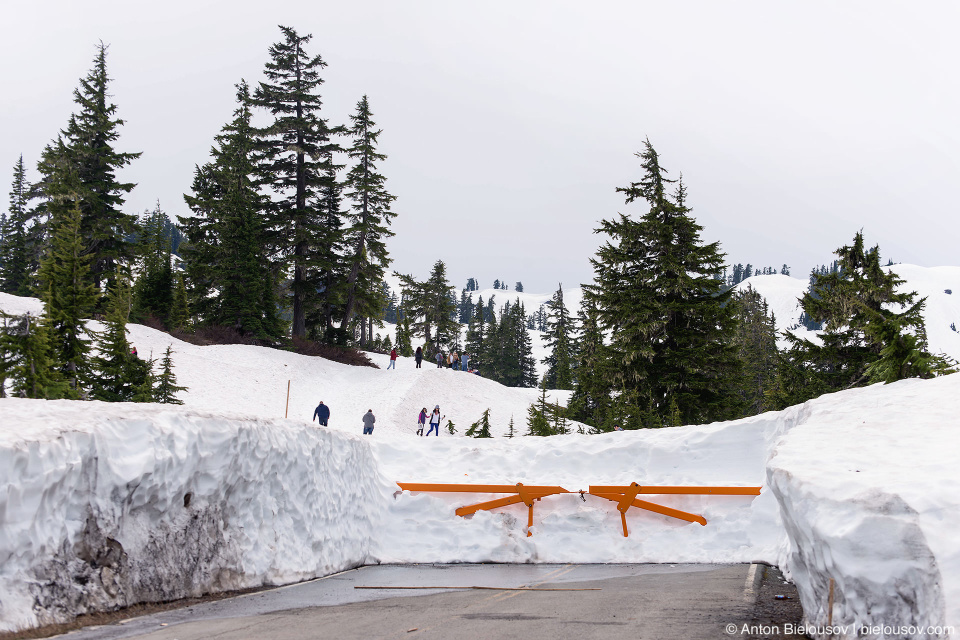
[(624, 601)]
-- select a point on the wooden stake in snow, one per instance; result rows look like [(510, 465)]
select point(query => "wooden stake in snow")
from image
[(287, 410)]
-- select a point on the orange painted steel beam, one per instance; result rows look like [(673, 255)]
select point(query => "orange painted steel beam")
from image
[(653, 489), (525, 494), (478, 488), (650, 506), (486, 506)]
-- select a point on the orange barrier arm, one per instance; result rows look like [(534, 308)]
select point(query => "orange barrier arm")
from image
[(654, 489), (626, 497), (524, 494)]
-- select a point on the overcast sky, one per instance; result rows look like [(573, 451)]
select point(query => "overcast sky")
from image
[(508, 125)]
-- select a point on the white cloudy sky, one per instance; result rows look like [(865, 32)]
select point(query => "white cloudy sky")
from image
[(508, 125)]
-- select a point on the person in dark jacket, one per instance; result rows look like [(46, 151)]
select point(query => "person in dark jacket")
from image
[(421, 420), (368, 420), (419, 356), (393, 359), (439, 359), (322, 412)]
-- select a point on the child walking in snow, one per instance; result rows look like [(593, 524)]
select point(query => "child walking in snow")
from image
[(421, 420)]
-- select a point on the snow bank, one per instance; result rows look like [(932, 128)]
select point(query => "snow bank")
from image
[(108, 505), (867, 485)]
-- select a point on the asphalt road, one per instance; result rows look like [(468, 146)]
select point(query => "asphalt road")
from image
[(618, 601)]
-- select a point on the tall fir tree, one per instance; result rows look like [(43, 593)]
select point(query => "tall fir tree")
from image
[(153, 291), (755, 338), (15, 246), (557, 338), (297, 161), (69, 298), (591, 400), (657, 292), (369, 218), (431, 306), (180, 310), (476, 334), (81, 165), (226, 238)]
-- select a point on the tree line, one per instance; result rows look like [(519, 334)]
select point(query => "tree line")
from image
[(287, 240)]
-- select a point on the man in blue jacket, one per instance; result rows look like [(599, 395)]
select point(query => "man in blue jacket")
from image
[(322, 412)]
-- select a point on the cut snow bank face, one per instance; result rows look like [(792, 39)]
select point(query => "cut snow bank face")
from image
[(105, 505), (867, 485)]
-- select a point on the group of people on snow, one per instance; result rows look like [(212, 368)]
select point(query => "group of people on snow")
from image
[(453, 360), (322, 415)]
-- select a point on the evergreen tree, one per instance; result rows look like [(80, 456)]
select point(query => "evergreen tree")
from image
[(226, 261), (31, 361), (179, 317), (591, 402), (370, 217), (538, 424), (153, 292), (431, 306), (117, 374), (481, 428), (15, 246), (297, 162), (404, 346), (657, 292), (81, 165), (511, 431), (756, 342), (69, 298), (476, 332), (865, 338), (451, 428), (557, 339), (527, 363), (144, 391), (519, 287)]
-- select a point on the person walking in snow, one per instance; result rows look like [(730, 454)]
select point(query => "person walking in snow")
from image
[(421, 420), (419, 356), (393, 359), (322, 413), (435, 421), (465, 362), (368, 420), (439, 359)]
